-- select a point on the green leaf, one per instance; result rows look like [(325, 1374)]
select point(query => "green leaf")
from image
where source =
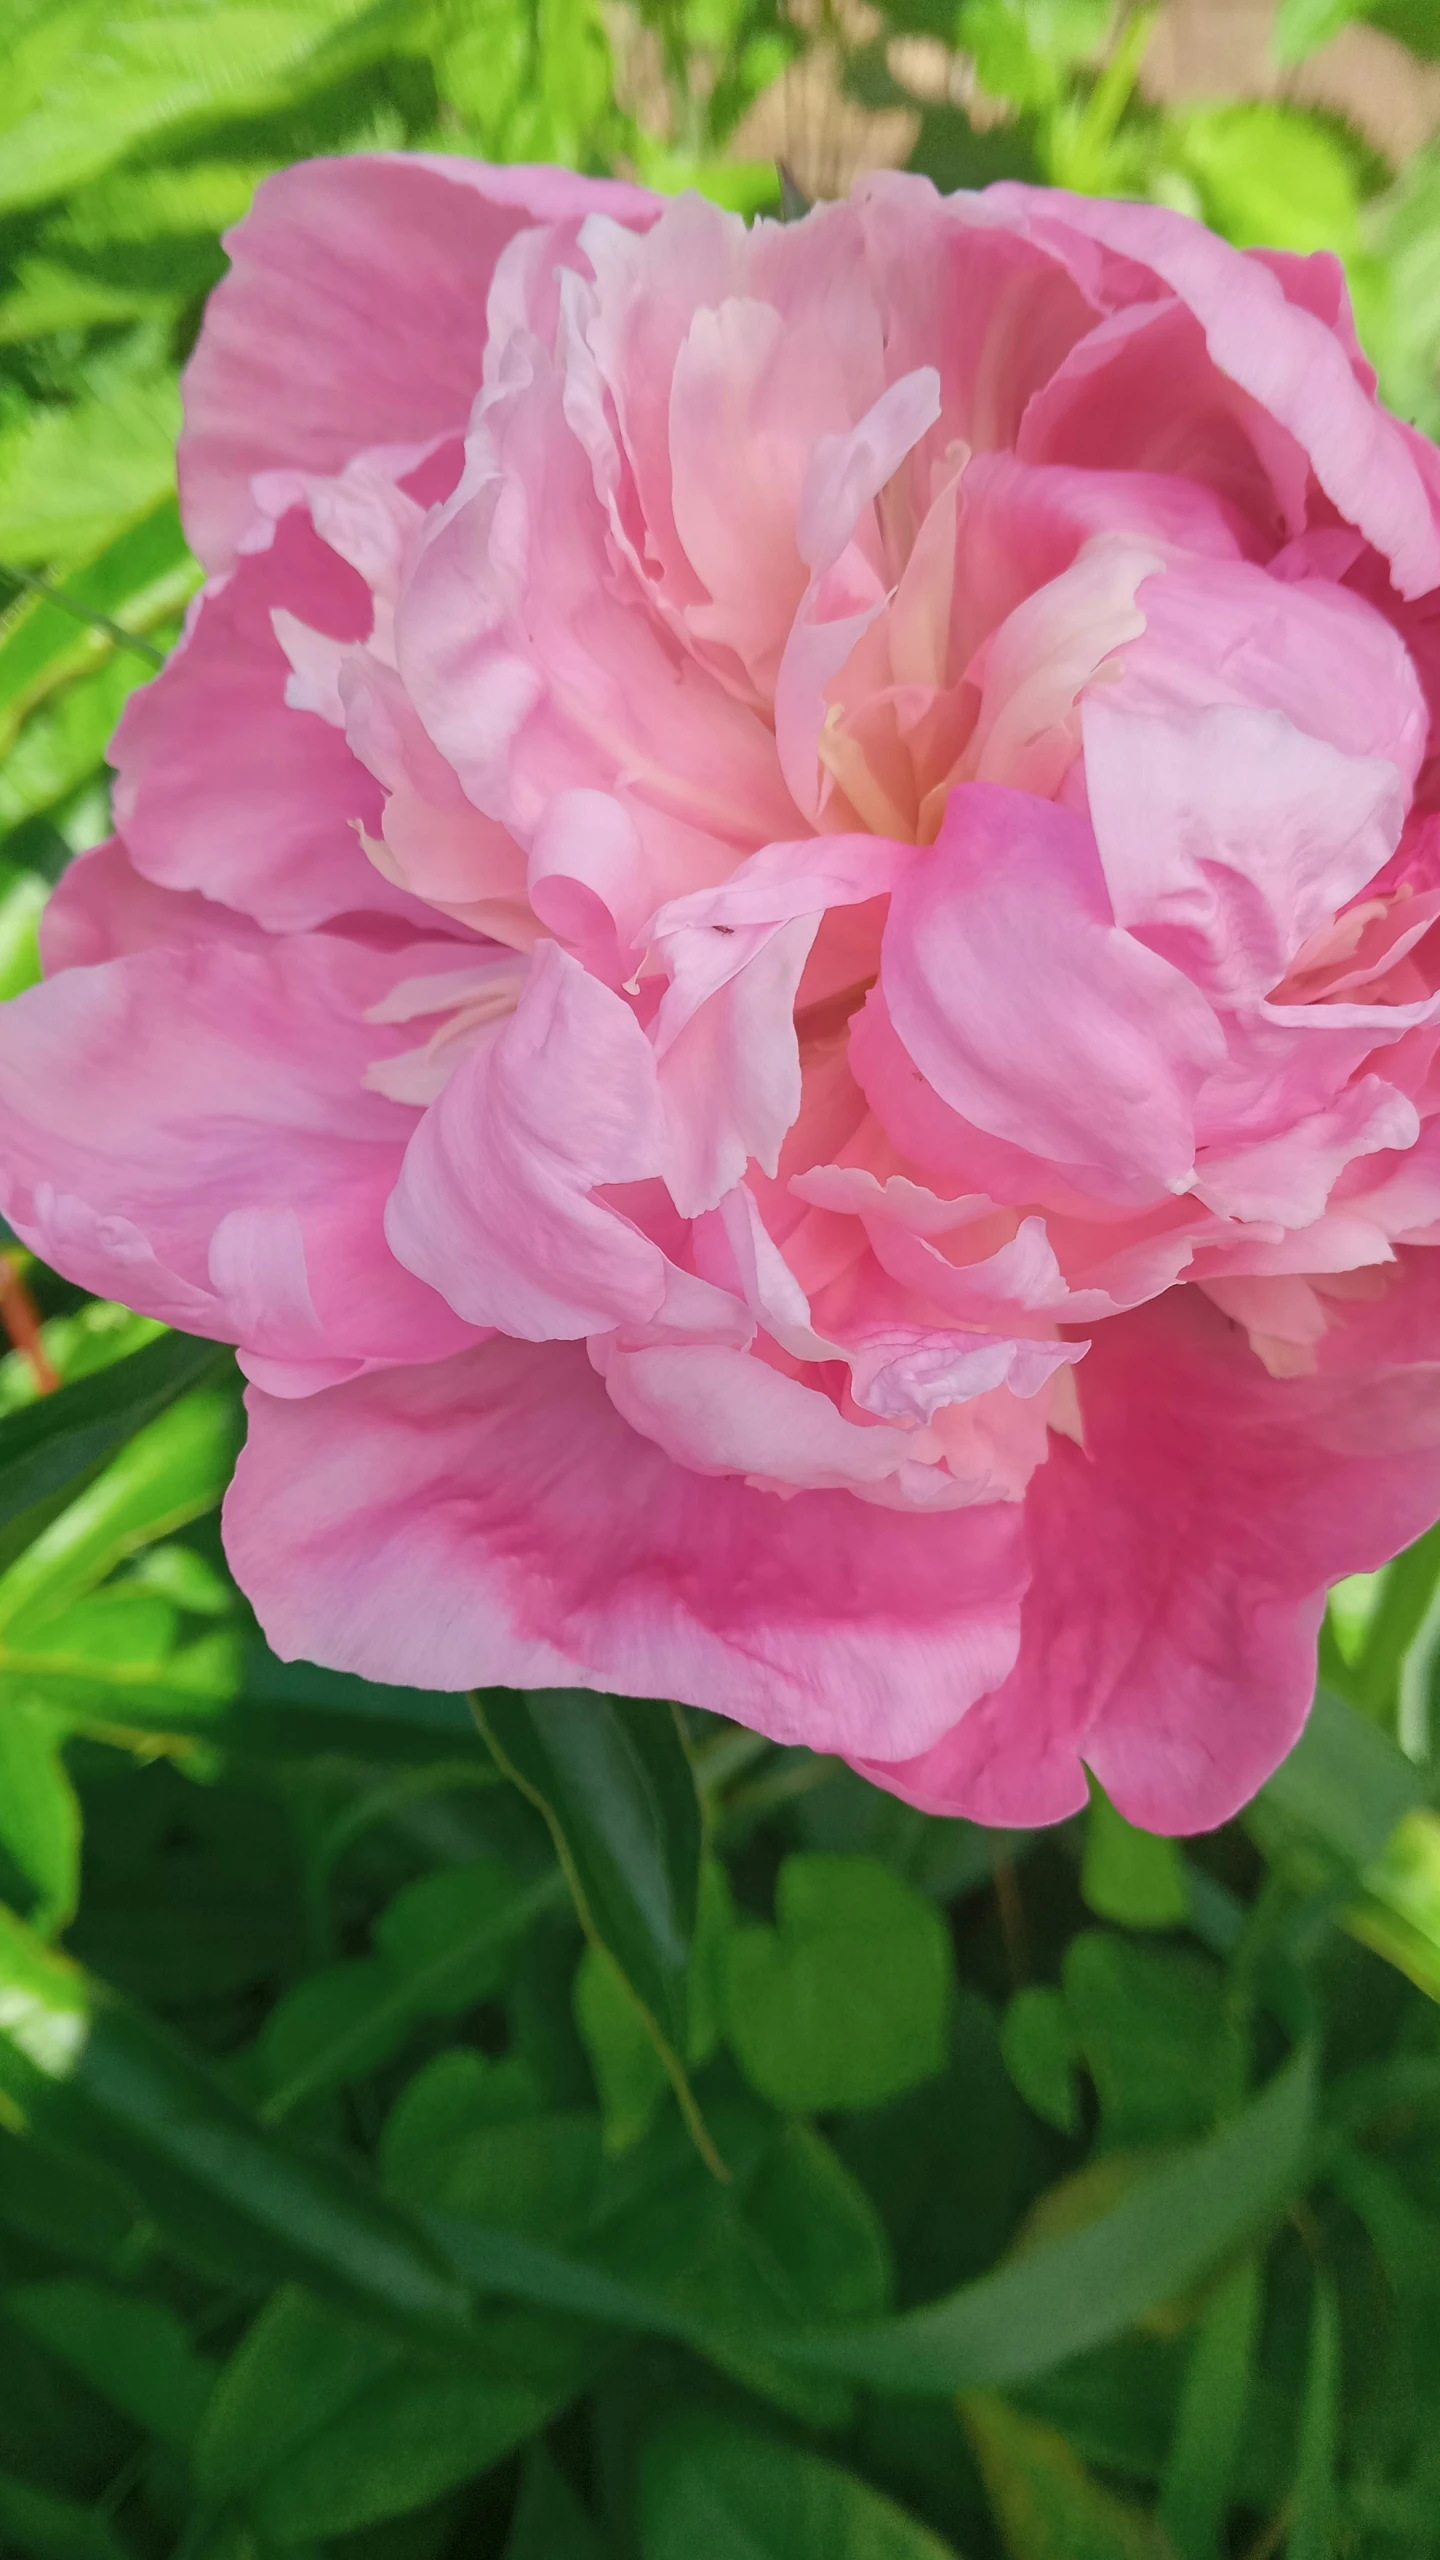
[(1046, 2503), (1314, 2510), (629, 2073), (134, 2353), (437, 2112), (1133, 1877), (1059, 2298), (51, 2528), (23, 898), (549, 2522), (90, 2071), (1272, 176), (52, 1450), (1159, 2035), (445, 1942), (40, 1821), (328, 2429), (1302, 26), (73, 479), (1195, 2497), (612, 1779), (145, 577), (1406, 1597), (1346, 1785), (708, 2486), (1038, 2043), (846, 2002), (88, 81), (173, 1469)]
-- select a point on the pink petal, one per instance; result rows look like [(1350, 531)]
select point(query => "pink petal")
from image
[(1287, 359), (493, 1519), (222, 788), (495, 1204), (1180, 1574), (1028, 1011), (1228, 837), (354, 315), (188, 1128)]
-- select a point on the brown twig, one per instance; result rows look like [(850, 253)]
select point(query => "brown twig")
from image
[(21, 1320)]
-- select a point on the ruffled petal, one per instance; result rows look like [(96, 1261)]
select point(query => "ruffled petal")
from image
[(494, 1520), (354, 315), (1180, 1570)]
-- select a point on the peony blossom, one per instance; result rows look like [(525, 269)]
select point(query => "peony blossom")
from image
[(774, 951)]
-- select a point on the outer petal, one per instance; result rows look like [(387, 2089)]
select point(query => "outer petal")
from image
[(493, 1519), (103, 907), (1180, 1570), (187, 1129), (223, 788), (1286, 358), (354, 315)]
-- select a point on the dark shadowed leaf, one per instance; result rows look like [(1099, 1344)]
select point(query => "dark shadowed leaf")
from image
[(1046, 2503), (613, 1781), (90, 2070), (732, 2493)]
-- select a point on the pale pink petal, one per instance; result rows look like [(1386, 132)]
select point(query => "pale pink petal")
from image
[(495, 1204), (354, 315), (1229, 837), (223, 789), (188, 1128), (102, 907), (1028, 1011)]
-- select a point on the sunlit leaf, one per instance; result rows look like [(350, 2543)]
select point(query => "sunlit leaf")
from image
[(50, 1453)]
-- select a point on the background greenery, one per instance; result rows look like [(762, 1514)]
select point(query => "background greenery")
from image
[(580, 2132)]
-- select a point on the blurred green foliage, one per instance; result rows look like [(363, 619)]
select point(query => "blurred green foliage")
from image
[(573, 2132)]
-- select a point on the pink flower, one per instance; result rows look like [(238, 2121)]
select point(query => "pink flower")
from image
[(775, 952)]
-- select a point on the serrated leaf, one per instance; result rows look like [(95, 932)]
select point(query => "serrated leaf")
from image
[(70, 630), (74, 479), (89, 81)]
